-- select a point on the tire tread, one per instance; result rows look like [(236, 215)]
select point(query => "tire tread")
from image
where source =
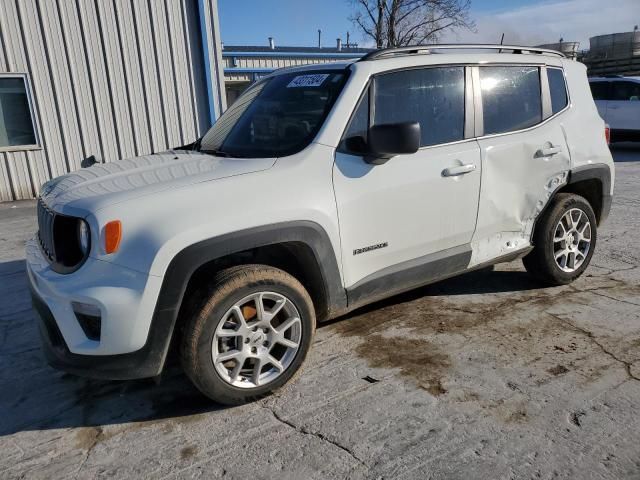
[(207, 297), (540, 262)]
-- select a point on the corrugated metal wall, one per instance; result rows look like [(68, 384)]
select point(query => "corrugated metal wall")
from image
[(109, 78), (234, 62)]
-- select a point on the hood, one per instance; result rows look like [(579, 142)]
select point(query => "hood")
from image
[(96, 187)]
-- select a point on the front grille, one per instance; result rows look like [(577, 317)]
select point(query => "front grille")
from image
[(46, 219)]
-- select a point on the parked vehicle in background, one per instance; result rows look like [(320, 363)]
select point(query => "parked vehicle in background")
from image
[(618, 102), (321, 189)]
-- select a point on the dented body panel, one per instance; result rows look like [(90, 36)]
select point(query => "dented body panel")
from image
[(518, 181), (583, 126), (521, 171)]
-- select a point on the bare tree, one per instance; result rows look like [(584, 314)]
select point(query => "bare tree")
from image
[(395, 23)]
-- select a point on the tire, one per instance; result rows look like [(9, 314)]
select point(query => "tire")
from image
[(225, 323), (541, 261)]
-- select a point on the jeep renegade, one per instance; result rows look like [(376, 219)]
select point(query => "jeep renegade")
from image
[(321, 189)]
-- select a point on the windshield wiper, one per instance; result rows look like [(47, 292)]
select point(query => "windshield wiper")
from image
[(217, 153)]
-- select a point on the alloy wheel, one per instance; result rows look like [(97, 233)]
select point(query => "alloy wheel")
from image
[(256, 340), (572, 240)]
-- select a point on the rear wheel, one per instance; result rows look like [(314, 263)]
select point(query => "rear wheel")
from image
[(249, 334), (564, 241)]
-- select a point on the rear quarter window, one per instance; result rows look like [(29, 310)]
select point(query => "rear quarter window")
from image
[(557, 89)]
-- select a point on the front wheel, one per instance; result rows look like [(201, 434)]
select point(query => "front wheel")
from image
[(564, 241), (248, 335)]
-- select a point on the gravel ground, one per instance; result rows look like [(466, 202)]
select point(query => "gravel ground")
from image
[(482, 376)]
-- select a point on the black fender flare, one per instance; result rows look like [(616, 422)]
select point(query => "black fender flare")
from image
[(600, 172), (596, 171), (149, 360), (187, 261)]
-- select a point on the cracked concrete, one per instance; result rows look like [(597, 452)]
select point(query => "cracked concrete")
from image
[(483, 376), (322, 437), (591, 336)]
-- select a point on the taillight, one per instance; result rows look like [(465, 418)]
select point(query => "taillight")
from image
[(607, 134)]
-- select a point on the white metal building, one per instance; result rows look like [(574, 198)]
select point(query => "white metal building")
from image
[(244, 64), (102, 80)]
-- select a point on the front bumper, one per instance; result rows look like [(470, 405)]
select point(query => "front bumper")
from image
[(127, 366), (128, 346)]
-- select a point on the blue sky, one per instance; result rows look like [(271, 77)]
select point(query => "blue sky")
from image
[(296, 22)]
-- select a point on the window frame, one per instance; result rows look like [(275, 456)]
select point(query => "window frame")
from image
[(473, 114), (370, 86), (341, 144), (32, 111), (566, 89), (545, 96)]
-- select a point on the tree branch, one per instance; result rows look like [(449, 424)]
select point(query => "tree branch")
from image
[(406, 22)]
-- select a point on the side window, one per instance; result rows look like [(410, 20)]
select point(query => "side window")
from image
[(16, 122), (625, 91), (557, 89), (354, 140), (511, 98), (434, 97), (599, 90), (360, 121)]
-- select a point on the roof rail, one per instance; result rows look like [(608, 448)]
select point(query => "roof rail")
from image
[(427, 49)]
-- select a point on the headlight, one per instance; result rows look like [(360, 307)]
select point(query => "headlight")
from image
[(84, 237)]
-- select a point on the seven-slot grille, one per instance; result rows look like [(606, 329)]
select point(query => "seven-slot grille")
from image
[(46, 218)]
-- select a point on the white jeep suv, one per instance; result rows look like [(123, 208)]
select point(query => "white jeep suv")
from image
[(323, 188)]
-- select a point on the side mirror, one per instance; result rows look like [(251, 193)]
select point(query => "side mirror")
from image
[(391, 139)]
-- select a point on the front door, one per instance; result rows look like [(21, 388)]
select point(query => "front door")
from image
[(414, 211)]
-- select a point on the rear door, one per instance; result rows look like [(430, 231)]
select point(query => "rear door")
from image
[(523, 150), (623, 109)]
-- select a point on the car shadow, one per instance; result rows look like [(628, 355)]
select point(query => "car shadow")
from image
[(486, 280), (34, 396)]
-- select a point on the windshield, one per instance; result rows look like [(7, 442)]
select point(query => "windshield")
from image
[(276, 117)]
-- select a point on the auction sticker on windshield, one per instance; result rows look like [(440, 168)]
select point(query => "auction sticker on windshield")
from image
[(314, 80)]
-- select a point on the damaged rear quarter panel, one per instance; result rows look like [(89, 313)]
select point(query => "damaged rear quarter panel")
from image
[(583, 126)]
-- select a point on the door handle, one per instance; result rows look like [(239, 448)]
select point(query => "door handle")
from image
[(461, 170), (548, 151)]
